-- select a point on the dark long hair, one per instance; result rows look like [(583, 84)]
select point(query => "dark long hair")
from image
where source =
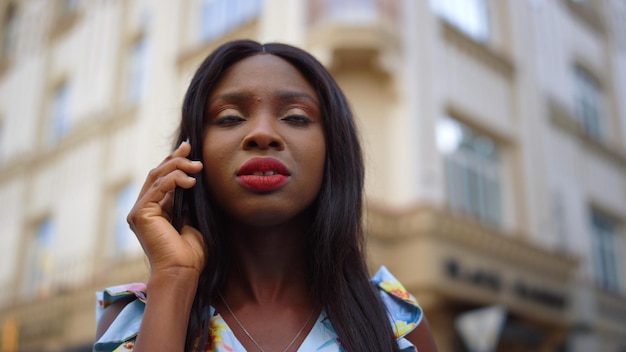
[(338, 276)]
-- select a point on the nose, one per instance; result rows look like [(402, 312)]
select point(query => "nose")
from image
[(263, 134)]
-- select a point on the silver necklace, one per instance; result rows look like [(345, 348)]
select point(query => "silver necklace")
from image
[(245, 331)]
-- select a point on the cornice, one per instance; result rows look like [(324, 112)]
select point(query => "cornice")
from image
[(441, 225), (195, 54), (589, 13), (86, 129), (562, 119), (492, 59)]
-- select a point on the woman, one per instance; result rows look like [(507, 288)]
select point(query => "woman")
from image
[(270, 254)]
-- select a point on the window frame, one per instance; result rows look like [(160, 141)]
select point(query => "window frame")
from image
[(607, 243), (589, 104), (9, 32), (473, 177), (60, 111), (39, 259), (230, 14), (137, 70), (123, 241), (471, 17)]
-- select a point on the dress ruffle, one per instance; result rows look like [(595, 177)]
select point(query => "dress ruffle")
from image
[(403, 310)]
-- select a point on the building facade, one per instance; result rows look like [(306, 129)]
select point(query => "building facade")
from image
[(494, 132)]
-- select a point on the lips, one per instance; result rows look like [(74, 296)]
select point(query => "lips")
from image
[(263, 174)]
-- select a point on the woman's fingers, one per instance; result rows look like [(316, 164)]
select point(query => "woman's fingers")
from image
[(166, 184), (150, 217), (154, 200), (194, 239), (175, 161)]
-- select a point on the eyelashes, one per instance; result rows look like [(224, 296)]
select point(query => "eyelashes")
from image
[(229, 120), (298, 120), (233, 120)]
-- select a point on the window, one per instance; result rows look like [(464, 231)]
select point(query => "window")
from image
[(352, 11), (470, 16), (65, 16), (39, 258), (607, 247), (137, 71), (125, 241), (560, 221), (218, 17), (9, 32), (2, 140), (472, 168), (588, 100), (68, 7), (60, 118)]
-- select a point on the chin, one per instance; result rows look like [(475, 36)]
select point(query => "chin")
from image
[(271, 217)]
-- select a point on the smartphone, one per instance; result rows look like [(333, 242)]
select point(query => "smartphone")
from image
[(178, 208)]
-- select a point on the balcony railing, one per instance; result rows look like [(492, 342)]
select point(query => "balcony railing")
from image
[(60, 309), (72, 275), (354, 12), (355, 33), (611, 307)]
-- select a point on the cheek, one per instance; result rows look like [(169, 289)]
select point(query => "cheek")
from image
[(216, 161), (316, 163), (217, 147)]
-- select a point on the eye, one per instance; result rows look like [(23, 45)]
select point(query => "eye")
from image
[(298, 120), (229, 120)]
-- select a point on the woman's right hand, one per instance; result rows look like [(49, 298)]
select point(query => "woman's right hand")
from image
[(168, 251)]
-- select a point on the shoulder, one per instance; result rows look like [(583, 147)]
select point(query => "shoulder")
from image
[(405, 314), (403, 310), (119, 311)]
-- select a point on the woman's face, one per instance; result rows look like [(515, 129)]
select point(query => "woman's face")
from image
[(264, 145)]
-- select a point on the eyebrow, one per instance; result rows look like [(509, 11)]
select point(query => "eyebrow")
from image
[(285, 95)]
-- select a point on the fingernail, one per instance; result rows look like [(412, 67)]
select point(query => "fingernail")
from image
[(181, 143)]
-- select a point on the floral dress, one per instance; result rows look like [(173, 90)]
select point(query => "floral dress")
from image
[(404, 315)]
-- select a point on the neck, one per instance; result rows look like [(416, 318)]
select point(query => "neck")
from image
[(268, 264)]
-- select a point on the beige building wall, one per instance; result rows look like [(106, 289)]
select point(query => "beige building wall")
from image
[(115, 72)]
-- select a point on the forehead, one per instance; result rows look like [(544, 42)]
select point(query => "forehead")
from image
[(261, 73)]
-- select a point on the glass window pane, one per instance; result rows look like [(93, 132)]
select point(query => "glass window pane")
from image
[(125, 240), (137, 71), (39, 260), (9, 32), (470, 16), (61, 123), (472, 169), (588, 104), (606, 246), (218, 17)]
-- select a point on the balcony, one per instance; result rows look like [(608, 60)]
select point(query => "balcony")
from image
[(453, 261), (611, 308), (60, 314), (354, 33), (590, 13)]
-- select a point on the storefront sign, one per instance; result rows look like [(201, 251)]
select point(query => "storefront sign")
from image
[(492, 280)]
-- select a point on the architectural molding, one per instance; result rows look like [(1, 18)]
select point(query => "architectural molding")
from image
[(445, 226), (193, 55), (561, 118), (589, 13), (86, 129), (492, 59), (462, 262)]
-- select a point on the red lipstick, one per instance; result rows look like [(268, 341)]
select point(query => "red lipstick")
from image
[(263, 174)]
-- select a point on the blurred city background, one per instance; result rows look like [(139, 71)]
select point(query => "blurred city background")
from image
[(494, 131)]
